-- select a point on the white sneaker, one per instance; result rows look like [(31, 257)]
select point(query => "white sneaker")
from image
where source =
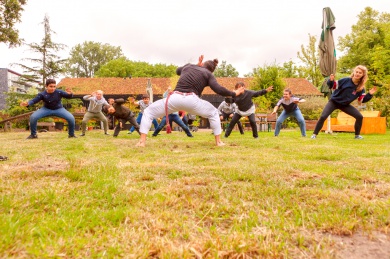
[(358, 137), (313, 136)]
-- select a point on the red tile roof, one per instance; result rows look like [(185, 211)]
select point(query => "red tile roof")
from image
[(136, 86), (301, 86)]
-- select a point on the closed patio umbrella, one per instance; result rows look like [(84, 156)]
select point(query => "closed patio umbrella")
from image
[(326, 46), (327, 51)]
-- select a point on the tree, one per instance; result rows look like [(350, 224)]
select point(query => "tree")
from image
[(369, 44), (263, 77), (49, 64), (225, 70), (10, 13), (123, 67), (289, 70), (310, 58), (87, 58)]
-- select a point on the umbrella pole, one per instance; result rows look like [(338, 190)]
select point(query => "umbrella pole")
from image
[(328, 128)]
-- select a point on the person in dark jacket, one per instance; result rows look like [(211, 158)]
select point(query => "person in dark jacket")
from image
[(193, 79), (346, 90), (246, 107), (122, 114), (52, 106)]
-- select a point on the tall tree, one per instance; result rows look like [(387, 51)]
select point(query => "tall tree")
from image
[(369, 44), (289, 70), (49, 64), (87, 58), (122, 67), (309, 55), (263, 77), (10, 13), (225, 70)]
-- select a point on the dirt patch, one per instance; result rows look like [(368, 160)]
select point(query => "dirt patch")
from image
[(358, 246)]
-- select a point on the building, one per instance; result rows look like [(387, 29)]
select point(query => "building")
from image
[(10, 81)]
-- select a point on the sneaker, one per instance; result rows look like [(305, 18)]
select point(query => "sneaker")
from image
[(358, 137), (105, 133), (129, 132), (313, 136), (32, 136), (190, 136), (73, 136), (82, 134)]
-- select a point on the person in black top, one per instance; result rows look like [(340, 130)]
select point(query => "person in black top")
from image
[(346, 90), (246, 107), (290, 106), (193, 79)]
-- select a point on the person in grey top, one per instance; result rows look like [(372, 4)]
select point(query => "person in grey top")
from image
[(96, 102), (143, 104), (226, 110)]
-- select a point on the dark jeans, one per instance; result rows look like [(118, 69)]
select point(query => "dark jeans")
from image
[(131, 119), (172, 117), (236, 118), (225, 116), (348, 109)]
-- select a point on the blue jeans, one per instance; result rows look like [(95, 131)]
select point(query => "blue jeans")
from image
[(45, 112), (172, 117), (284, 115), (139, 118)]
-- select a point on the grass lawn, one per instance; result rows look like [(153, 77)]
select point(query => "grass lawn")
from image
[(273, 197)]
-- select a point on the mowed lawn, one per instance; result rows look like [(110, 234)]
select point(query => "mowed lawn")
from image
[(273, 197)]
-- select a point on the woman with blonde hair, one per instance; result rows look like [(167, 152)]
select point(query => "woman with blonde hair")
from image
[(346, 90)]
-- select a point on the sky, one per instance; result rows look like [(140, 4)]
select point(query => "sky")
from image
[(246, 34)]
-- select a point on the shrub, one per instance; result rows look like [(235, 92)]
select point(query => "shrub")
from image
[(312, 108)]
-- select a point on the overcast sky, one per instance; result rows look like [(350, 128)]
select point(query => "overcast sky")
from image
[(245, 33)]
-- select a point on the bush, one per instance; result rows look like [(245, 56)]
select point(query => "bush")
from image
[(312, 108)]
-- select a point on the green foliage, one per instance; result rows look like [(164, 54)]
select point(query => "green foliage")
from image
[(122, 67), (289, 70), (10, 13), (87, 58), (310, 57), (369, 44), (312, 108), (225, 70), (49, 64), (263, 77)]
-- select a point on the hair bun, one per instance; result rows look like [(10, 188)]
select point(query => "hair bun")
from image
[(215, 62)]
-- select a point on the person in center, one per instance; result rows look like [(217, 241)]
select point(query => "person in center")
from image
[(246, 107), (193, 79)]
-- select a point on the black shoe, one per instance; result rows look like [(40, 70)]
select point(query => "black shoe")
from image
[(190, 136), (32, 136), (82, 134), (154, 135), (73, 136)]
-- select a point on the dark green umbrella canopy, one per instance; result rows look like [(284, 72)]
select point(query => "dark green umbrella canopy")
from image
[(326, 46)]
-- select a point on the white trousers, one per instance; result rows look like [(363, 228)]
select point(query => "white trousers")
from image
[(190, 103)]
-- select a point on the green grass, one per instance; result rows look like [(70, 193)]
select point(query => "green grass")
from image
[(101, 197)]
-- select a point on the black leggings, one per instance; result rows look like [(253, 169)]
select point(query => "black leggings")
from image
[(348, 109), (236, 118)]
